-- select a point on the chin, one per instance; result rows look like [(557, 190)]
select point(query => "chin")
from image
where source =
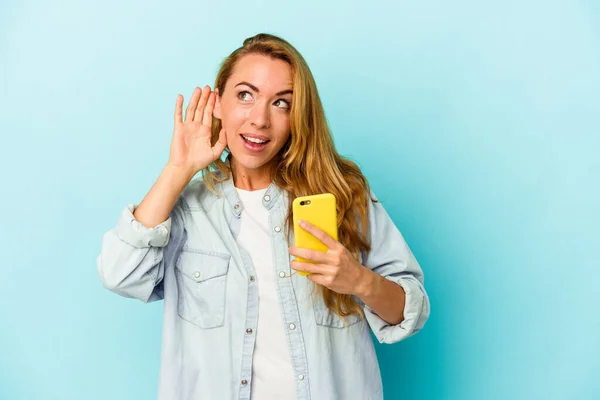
[(249, 161)]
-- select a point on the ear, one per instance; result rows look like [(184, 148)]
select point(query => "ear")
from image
[(217, 109)]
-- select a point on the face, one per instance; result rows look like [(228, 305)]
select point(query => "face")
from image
[(254, 108)]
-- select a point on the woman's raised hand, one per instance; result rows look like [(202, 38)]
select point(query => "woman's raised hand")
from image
[(191, 146)]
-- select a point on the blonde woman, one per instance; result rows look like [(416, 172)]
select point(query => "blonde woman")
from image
[(239, 322)]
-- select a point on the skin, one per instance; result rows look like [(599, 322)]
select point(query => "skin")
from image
[(337, 270), (256, 101)]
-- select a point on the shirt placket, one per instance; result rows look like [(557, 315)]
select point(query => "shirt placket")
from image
[(249, 333), (287, 297)]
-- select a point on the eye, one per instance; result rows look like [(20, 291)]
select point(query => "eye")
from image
[(244, 95), (286, 105)]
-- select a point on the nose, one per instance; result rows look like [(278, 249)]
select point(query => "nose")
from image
[(259, 116)]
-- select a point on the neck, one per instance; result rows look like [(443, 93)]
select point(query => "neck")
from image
[(250, 179)]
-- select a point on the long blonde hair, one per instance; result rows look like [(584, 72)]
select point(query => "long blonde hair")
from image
[(308, 163)]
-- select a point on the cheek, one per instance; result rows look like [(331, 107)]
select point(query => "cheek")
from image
[(282, 128), (230, 134), (233, 117)]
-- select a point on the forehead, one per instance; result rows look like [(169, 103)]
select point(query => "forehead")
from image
[(266, 73)]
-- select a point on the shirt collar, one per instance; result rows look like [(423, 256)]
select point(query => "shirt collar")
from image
[(270, 198)]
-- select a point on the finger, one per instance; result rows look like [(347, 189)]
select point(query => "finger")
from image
[(309, 267), (219, 147), (178, 109), (189, 112), (327, 240), (309, 254), (202, 103), (208, 110), (318, 279)]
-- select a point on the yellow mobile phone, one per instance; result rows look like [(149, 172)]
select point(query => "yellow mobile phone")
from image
[(320, 210)]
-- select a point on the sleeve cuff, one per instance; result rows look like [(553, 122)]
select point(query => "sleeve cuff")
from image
[(134, 233), (415, 314)]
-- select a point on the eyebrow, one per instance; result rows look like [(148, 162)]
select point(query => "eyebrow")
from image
[(258, 91)]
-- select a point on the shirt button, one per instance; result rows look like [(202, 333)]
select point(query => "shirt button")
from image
[(301, 377), (292, 326), (277, 229), (197, 274), (267, 198), (252, 278), (244, 382), (282, 274), (249, 331), (237, 206)]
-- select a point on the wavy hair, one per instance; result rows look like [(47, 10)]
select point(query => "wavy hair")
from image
[(308, 163)]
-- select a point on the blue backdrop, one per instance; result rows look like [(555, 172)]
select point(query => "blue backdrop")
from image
[(476, 124)]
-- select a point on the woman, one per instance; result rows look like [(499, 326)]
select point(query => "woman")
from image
[(239, 323)]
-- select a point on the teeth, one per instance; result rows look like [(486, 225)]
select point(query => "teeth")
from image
[(253, 140)]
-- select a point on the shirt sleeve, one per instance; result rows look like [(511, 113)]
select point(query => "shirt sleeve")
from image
[(137, 235), (132, 257), (391, 257)]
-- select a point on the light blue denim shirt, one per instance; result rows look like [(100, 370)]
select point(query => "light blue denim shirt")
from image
[(210, 292)]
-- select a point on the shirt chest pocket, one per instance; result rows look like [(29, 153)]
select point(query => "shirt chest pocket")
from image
[(201, 282)]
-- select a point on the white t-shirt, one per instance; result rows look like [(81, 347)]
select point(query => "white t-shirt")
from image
[(272, 372)]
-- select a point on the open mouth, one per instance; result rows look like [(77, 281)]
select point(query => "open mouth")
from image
[(255, 140), (254, 144)]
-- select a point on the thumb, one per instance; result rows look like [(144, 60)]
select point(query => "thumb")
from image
[(219, 147)]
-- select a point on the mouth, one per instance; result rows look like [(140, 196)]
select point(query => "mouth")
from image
[(255, 142)]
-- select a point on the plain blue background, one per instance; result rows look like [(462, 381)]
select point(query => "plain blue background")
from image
[(476, 124)]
